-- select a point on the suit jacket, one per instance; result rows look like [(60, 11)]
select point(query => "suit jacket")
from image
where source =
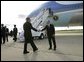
[(7, 31), (3, 31), (15, 31), (50, 30), (27, 31)]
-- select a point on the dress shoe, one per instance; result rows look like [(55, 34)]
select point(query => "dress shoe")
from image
[(54, 49), (25, 52), (49, 48), (35, 49)]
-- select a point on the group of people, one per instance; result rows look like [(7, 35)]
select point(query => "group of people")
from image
[(5, 33), (27, 26), (28, 35)]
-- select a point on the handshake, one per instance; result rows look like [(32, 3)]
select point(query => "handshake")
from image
[(39, 30)]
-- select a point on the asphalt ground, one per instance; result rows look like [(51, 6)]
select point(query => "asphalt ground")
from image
[(69, 48)]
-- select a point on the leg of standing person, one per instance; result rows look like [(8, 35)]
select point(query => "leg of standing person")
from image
[(14, 38), (54, 43), (33, 45), (3, 39), (6, 37), (50, 43), (25, 47)]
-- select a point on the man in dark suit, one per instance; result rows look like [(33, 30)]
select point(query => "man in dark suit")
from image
[(51, 34), (28, 35), (3, 33), (15, 30)]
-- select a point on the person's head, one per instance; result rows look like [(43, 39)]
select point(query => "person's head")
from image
[(14, 25), (28, 19), (5, 26), (2, 25)]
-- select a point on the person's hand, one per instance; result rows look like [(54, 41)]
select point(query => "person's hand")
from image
[(38, 30)]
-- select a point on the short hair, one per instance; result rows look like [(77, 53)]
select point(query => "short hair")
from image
[(27, 18)]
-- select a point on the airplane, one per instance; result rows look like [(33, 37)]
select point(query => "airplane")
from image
[(62, 16), (67, 14)]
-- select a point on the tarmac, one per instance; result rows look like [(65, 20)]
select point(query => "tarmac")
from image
[(69, 48)]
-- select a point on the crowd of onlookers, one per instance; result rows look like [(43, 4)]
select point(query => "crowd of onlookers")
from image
[(5, 33)]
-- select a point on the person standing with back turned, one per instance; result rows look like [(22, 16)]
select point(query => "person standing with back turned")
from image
[(3, 33), (15, 30), (51, 34)]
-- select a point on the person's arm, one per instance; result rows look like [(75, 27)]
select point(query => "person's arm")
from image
[(33, 28), (44, 28)]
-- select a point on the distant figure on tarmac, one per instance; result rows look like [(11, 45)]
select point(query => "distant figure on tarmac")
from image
[(3, 33), (51, 34), (28, 36), (15, 30), (7, 32)]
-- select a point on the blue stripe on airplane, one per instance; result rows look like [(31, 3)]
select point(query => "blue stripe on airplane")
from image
[(56, 7)]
